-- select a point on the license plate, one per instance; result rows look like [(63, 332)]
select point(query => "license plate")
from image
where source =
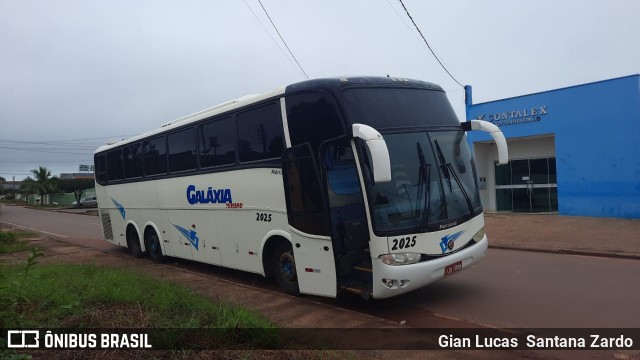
[(453, 268)]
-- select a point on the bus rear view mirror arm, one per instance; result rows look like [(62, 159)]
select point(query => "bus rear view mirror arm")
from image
[(378, 149), (496, 134)]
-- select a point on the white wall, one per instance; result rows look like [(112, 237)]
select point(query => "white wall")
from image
[(486, 156)]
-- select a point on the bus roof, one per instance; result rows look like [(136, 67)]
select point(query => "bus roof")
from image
[(337, 83), (203, 114), (332, 85)]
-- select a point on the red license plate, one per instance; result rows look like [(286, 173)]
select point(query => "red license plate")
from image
[(453, 268)]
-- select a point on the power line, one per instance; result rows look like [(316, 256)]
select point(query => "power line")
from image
[(404, 22), (281, 38), (65, 147), (426, 42), (39, 161), (12, 173), (270, 36), (74, 140), (55, 151)]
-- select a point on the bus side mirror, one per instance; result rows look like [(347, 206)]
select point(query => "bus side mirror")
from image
[(378, 149), (496, 134)]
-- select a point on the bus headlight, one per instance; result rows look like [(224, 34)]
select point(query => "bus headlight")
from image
[(479, 235), (400, 259)]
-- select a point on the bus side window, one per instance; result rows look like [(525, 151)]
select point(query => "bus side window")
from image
[(313, 108), (342, 176), (114, 165), (133, 161), (101, 168), (260, 133), (182, 150), (155, 156), (346, 204), (216, 143)]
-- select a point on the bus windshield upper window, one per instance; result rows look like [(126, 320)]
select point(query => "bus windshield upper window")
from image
[(398, 107)]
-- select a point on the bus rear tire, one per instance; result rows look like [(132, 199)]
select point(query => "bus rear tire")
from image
[(152, 243), (133, 243), (284, 269)]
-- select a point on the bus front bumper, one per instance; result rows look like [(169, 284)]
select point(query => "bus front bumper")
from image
[(405, 278)]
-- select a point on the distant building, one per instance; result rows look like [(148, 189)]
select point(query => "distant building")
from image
[(89, 176), (572, 150), (11, 185)]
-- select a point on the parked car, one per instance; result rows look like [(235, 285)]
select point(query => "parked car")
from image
[(88, 202)]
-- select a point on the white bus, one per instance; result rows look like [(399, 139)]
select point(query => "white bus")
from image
[(361, 184)]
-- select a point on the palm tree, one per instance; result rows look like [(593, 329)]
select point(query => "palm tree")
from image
[(42, 176), (43, 183), (29, 186)]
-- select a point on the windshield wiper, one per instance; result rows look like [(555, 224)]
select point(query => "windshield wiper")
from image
[(424, 177), (447, 169), (443, 165)]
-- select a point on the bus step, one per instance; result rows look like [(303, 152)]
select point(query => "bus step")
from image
[(363, 268), (365, 293)]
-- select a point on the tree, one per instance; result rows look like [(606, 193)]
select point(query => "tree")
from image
[(46, 184), (76, 186), (29, 186)]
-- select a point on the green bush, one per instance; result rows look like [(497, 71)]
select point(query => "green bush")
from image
[(7, 237), (10, 241)]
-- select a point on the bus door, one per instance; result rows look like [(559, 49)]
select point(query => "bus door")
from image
[(308, 222), (349, 228)]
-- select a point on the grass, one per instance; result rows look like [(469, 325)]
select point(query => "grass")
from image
[(11, 241), (63, 296), (91, 297)]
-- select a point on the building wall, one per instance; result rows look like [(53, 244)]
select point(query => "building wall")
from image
[(596, 127)]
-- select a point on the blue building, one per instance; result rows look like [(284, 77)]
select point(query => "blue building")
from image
[(573, 150)]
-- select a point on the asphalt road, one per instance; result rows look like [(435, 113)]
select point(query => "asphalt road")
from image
[(508, 289)]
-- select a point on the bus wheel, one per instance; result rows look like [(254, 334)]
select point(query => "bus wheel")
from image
[(133, 243), (285, 269), (153, 247)]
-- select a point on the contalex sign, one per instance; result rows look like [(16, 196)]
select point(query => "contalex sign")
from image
[(516, 116)]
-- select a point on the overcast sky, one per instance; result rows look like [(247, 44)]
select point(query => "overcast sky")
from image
[(76, 74)]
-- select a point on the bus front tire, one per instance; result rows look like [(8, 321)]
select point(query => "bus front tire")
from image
[(284, 269), (152, 243), (133, 243)]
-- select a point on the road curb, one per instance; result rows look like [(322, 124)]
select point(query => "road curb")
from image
[(569, 252), (86, 213)]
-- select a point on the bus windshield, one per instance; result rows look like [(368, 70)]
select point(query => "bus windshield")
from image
[(433, 181)]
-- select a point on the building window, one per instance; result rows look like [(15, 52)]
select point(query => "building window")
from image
[(260, 133)]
